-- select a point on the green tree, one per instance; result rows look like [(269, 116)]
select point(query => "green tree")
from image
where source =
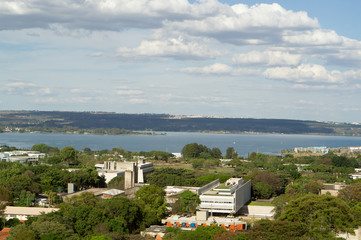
[(68, 154), (172, 177), (5, 197), (43, 148), (322, 214), (269, 178), (12, 222), (262, 190), (356, 212), (48, 228), (277, 230), (216, 153), (26, 199), (230, 153), (54, 159), (117, 183), (86, 150), (198, 163), (151, 199), (18, 183), (21, 232), (84, 199), (351, 193), (85, 218), (188, 202), (190, 151), (125, 208)]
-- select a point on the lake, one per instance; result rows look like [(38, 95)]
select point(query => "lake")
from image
[(175, 141)]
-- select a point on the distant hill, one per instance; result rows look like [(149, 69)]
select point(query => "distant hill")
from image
[(165, 122)]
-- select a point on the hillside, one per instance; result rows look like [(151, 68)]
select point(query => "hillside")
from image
[(163, 122)]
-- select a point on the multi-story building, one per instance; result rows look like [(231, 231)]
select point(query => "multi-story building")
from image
[(136, 170), (226, 198)]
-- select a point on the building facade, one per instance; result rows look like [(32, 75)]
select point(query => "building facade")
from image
[(227, 198)]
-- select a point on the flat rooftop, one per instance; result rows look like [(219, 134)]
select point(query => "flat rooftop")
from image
[(32, 211)]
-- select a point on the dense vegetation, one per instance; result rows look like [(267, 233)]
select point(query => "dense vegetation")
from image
[(300, 212), (88, 217), (114, 123)]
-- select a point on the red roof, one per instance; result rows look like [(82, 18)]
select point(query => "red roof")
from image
[(4, 233)]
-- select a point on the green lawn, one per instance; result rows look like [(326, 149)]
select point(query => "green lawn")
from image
[(253, 203)]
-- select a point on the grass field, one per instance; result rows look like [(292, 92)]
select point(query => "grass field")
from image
[(253, 203)]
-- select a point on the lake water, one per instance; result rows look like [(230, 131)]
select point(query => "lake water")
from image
[(175, 141)]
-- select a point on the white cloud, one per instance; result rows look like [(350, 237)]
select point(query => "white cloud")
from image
[(129, 92), (26, 88), (326, 45), (219, 69), (240, 24), (21, 85), (344, 57), (16, 8), (39, 91), (97, 54), (98, 14), (138, 100), (268, 58), (304, 73), (316, 87), (75, 90), (45, 100), (178, 48), (314, 37)]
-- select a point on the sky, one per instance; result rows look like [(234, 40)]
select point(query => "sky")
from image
[(255, 59)]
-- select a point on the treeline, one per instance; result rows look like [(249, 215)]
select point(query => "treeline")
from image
[(164, 122), (89, 217), (71, 129), (20, 182), (182, 177)]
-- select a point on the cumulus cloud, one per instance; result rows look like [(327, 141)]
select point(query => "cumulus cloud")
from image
[(178, 48), (97, 54), (219, 69), (304, 73), (128, 92), (267, 58), (316, 87), (26, 88), (138, 100), (240, 24), (98, 14), (314, 37), (344, 57), (312, 74)]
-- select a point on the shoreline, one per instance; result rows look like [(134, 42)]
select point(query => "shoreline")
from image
[(164, 133)]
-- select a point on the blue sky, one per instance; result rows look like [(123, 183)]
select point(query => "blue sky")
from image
[(259, 59)]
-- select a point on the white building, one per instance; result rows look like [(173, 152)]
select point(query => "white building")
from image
[(228, 197), (323, 150), (355, 176), (21, 156), (112, 169), (333, 188), (22, 213)]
